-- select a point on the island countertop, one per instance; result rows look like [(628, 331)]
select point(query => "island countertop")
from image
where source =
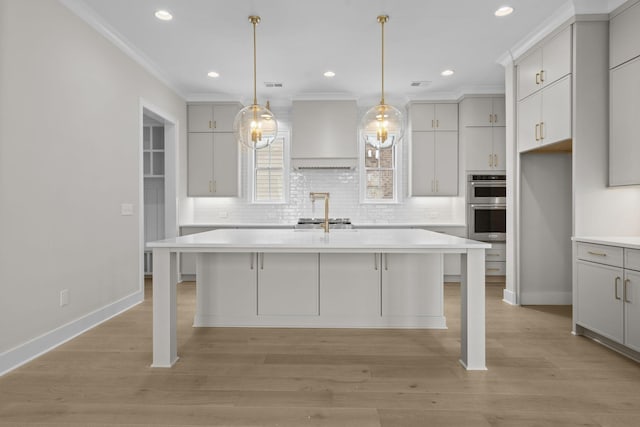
[(278, 240)]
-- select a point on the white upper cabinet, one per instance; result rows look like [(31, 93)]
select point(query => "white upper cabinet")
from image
[(434, 117), (212, 165), (434, 164), (624, 36), (545, 117), (482, 111), (211, 117), (624, 102), (485, 148), (624, 129), (545, 65)]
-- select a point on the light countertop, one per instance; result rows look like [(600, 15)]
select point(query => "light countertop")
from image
[(632, 242), (355, 225), (313, 240)]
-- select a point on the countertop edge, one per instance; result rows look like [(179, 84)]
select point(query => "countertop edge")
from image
[(630, 242)]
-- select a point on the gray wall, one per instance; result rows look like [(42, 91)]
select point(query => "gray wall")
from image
[(69, 157)]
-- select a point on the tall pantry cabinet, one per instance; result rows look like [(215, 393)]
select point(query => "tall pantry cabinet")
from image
[(624, 106), (212, 152)]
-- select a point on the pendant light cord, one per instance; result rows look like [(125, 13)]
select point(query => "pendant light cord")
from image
[(382, 20), (255, 97)]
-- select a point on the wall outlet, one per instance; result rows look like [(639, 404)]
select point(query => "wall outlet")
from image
[(126, 209), (64, 297)]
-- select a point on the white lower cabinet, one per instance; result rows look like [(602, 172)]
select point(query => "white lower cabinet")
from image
[(230, 290), (288, 284), (404, 289), (350, 285), (607, 299)]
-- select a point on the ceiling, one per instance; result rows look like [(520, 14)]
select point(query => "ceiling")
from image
[(298, 40)]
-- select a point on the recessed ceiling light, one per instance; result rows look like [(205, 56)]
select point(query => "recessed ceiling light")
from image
[(447, 73), (329, 74), (213, 74), (504, 11), (163, 15)]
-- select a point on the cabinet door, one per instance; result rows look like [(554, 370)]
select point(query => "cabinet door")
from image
[(446, 163), (223, 116), (624, 129), (528, 74), (226, 284), (422, 163), (599, 299), (288, 284), (556, 57), (479, 148), (499, 111), (200, 164), (446, 117), (556, 112), (200, 118), (632, 309), (499, 136), (422, 117), (405, 285), (529, 122), (350, 285), (476, 112), (624, 33), (225, 165)]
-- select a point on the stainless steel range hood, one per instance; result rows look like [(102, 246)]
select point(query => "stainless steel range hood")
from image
[(324, 134)]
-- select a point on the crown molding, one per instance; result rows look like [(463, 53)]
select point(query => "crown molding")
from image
[(89, 16)]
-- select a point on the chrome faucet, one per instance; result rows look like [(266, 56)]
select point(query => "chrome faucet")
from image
[(314, 197)]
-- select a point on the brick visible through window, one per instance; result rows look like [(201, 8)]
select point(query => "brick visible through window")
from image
[(269, 172), (379, 173)]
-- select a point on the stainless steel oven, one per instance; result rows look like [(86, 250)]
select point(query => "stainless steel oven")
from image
[(486, 207), (487, 189)]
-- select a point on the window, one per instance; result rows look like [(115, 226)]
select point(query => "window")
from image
[(379, 179), (269, 173)]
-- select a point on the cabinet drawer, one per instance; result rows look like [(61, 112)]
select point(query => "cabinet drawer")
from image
[(496, 253), (632, 259), (609, 255), (495, 268)]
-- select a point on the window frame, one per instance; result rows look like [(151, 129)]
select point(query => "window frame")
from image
[(363, 174), (285, 174)]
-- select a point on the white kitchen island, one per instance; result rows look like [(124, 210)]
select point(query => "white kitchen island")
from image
[(296, 278)]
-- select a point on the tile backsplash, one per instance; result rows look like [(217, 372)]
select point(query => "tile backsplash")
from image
[(343, 185)]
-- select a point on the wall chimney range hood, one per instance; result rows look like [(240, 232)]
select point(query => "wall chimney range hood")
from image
[(324, 134)]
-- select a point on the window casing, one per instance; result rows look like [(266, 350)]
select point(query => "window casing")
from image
[(269, 172), (379, 177)]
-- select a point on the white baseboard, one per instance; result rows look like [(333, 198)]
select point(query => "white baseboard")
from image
[(509, 297), (17, 356), (546, 298)]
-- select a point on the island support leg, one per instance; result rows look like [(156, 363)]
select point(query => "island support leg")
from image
[(165, 279), (472, 299)]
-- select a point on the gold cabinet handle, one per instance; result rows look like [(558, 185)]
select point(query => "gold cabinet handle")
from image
[(495, 160), (541, 130), (210, 124), (596, 253), (490, 160), (537, 78), (541, 76), (433, 124), (386, 261), (537, 131), (375, 262), (495, 118), (624, 290), (251, 255), (489, 254), (437, 123), (210, 187), (615, 287), (261, 261), (490, 118)]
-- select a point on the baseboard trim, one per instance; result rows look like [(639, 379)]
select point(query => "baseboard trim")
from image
[(18, 356), (509, 297)]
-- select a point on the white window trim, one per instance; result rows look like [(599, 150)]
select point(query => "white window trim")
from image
[(363, 176), (285, 175)]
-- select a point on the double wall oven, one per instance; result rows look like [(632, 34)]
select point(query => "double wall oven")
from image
[(486, 207)]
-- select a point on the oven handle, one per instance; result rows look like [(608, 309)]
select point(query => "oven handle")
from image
[(485, 206), (488, 183)]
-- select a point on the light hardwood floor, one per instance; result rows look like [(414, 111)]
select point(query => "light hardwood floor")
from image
[(539, 375)]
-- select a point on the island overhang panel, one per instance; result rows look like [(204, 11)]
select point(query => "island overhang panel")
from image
[(378, 249)]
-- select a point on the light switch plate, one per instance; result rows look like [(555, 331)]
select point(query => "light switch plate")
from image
[(126, 209)]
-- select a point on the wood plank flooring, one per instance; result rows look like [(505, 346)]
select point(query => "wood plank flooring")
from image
[(539, 375)]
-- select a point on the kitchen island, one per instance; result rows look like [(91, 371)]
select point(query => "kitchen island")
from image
[(311, 274)]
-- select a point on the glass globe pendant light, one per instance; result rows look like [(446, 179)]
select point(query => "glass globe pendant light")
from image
[(382, 125), (255, 126)]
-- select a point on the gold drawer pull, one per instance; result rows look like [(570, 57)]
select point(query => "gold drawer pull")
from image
[(493, 254), (596, 253), (493, 269)]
